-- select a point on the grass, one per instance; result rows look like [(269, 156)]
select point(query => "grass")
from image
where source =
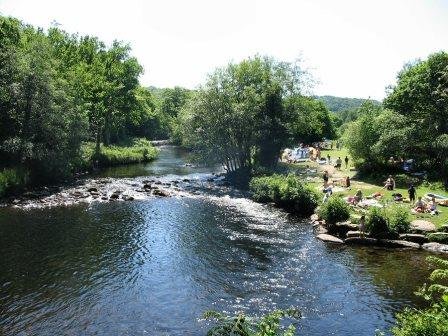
[(370, 184), (138, 150), (12, 180)]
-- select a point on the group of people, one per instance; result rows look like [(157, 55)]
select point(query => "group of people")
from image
[(420, 206)]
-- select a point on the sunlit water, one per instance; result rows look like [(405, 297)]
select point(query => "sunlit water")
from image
[(152, 267)]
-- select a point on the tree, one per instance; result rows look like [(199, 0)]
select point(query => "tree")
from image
[(238, 117)]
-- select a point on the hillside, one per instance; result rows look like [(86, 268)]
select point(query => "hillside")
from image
[(337, 104)]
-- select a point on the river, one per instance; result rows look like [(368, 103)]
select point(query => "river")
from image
[(153, 266)]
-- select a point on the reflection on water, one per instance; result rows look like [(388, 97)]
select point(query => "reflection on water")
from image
[(152, 267)]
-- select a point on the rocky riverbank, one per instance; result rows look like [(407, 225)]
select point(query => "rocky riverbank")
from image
[(423, 235), (116, 190)]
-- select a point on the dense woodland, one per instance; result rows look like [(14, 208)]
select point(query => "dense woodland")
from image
[(66, 100)]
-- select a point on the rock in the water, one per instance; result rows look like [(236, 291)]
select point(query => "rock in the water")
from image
[(320, 229), (422, 226), (436, 247), (329, 238), (114, 196), (439, 237), (147, 186), (161, 193), (351, 234), (398, 243), (361, 241), (414, 238), (342, 228), (314, 217), (127, 198), (92, 189)]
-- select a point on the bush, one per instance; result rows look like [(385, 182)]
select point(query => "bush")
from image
[(399, 219), (377, 223), (139, 150), (286, 191), (12, 180), (242, 325), (335, 210)]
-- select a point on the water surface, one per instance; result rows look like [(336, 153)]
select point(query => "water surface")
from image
[(152, 267)]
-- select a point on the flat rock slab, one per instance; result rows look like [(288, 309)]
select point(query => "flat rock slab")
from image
[(320, 229), (398, 243), (361, 241), (351, 234), (436, 247), (414, 237), (329, 238), (347, 225), (424, 226)]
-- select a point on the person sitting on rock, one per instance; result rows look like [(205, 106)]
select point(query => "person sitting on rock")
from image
[(389, 183), (358, 197), (432, 207), (338, 163)]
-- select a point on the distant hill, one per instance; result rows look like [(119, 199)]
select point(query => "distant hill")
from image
[(337, 104)]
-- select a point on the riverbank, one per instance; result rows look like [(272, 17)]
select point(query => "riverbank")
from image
[(18, 180)]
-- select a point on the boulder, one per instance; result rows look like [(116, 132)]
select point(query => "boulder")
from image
[(361, 241), (329, 238), (147, 186), (439, 237), (436, 247), (398, 243), (320, 229), (414, 238), (353, 234), (92, 189), (341, 228), (127, 198), (161, 193), (114, 196), (422, 226), (314, 217)]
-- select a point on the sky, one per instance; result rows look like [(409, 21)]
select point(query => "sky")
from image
[(353, 48)]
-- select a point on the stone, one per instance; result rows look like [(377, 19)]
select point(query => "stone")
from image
[(341, 228), (92, 189), (361, 241), (147, 186), (398, 243), (127, 198), (161, 193), (114, 196), (422, 226), (414, 238), (329, 238), (353, 234), (314, 217), (319, 229), (436, 247), (439, 237)]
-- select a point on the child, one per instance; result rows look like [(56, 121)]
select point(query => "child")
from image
[(362, 225)]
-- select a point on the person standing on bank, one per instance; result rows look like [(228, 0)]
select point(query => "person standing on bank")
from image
[(346, 162), (411, 192)]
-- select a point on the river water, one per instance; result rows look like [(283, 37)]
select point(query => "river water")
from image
[(153, 266)]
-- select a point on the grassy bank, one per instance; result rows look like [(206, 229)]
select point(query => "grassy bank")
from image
[(369, 184), (13, 180), (135, 151)]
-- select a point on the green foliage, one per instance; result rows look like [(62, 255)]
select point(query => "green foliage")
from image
[(139, 150), (12, 180), (399, 219), (237, 118), (285, 191), (432, 321), (242, 325), (334, 210), (340, 104), (377, 223)]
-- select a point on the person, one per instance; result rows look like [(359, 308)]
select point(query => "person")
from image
[(358, 197), (347, 182), (328, 159), (432, 207), (338, 163), (411, 193), (362, 225), (419, 205), (325, 178), (389, 183), (346, 162)]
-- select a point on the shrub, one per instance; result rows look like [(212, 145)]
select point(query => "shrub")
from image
[(377, 223), (399, 219), (285, 191), (335, 210), (438, 237), (242, 325), (12, 180)]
